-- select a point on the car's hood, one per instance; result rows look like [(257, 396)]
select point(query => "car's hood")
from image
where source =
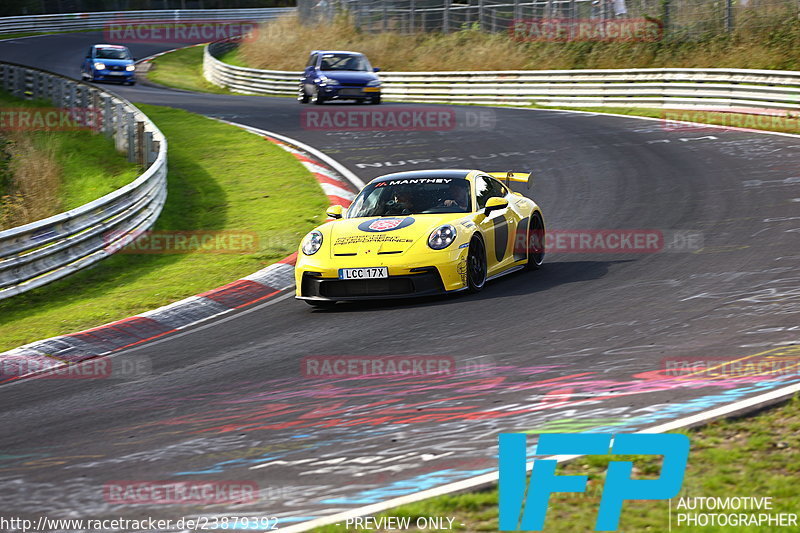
[(350, 76), (384, 235)]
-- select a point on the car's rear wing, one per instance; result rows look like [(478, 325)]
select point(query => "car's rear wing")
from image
[(521, 177)]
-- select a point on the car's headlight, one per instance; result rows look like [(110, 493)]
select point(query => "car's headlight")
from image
[(99, 66), (442, 237), (374, 83), (329, 81), (312, 242), (130, 68)]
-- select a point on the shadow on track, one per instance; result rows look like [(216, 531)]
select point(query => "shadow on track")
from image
[(550, 275)]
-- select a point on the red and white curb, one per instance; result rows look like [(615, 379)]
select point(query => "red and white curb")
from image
[(56, 353)]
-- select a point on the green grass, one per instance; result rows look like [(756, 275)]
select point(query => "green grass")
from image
[(90, 166), (183, 69), (220, 178), (757, 456)]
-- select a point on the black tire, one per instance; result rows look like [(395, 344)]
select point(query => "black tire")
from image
[(302, 97), (317, 98), (320, 304), (536, 234), (375, 100), (477, 265)]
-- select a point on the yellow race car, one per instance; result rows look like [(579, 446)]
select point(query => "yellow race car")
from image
[(419, 233)]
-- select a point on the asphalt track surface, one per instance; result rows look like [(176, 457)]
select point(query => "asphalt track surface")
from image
[(577, 345)]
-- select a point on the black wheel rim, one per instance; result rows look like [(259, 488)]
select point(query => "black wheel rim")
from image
[(477, 264), (536, 240)]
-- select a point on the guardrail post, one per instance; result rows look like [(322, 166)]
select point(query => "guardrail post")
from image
[(411, 15), (120, 133), (130, 132), (141, 156), (665, 13), (446, 17), (108, 119), (516, 10), (149, 155), (481, 14), (385, 13)]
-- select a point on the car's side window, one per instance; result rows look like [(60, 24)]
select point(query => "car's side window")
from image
[(498, 189), (482, 191), (312, 61), (89, 53)]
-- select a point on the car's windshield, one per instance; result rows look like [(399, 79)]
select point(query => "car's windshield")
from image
[(112, 53), (412, 196), (344, 62)]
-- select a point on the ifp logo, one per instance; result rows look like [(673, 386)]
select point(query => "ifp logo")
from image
[(528, 514)]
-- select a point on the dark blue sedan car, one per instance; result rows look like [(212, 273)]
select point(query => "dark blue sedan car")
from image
[(339, 75), (109, 62)]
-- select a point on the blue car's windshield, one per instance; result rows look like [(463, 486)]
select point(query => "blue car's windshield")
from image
[(412, 196), (112, 53), (344, 62)]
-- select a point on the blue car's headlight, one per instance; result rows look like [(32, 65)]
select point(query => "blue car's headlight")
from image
[(374, 83), (329, 81), (99, 66), (442, 237), (312, 242), (130, 68)]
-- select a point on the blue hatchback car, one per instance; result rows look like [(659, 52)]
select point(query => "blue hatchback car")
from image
[(109, 62), (339, 75)]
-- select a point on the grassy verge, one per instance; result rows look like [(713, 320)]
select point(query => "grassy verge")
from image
[(53, 171), (220, 178), (763, 38), (757, 456), (183, 69)]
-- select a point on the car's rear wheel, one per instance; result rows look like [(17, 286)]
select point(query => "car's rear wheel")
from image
[(476, 265), (320, 304), (535, 242), (302, 97), (317, 98)]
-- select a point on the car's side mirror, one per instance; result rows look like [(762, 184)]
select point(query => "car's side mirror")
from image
[(495, 203), (376, 69), (335, 211)]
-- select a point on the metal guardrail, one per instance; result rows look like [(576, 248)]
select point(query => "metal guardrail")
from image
[(676, 88), (48, 249), (98, 20)]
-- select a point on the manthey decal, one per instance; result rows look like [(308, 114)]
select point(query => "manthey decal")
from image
[(500, 237), (376, 225)]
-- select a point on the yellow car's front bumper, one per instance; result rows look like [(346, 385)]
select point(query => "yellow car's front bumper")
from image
[(318, 279)]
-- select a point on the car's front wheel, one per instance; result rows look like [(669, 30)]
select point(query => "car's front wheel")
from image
[(476, 265), (302, 97), (375, 100), (535, 242), (317, 98)]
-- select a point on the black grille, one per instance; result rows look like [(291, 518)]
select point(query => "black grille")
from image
[(116, 67), (366, 287)]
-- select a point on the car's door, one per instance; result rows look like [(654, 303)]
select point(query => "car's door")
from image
[(499, 227)]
